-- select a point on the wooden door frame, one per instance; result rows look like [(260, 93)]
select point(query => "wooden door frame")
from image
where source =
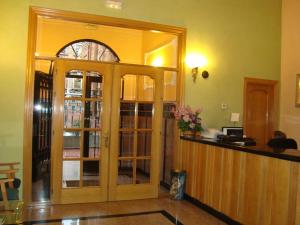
[(142, 190), (275, 108), (66, 195), (34, 12)]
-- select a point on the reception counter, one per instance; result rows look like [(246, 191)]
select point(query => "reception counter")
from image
[(250, 185)]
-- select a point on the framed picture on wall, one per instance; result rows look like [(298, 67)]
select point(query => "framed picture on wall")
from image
[(298, 90)]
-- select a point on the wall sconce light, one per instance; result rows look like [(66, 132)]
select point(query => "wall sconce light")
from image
[(196, 61), (204, 74)]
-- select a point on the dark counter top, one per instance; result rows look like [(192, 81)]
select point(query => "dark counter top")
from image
[(285, 154)]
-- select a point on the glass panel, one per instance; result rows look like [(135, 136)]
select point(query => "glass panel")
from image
[(88, 50), (127, 112), (170, 85), (73, 84), (94, 85), (71, 145), (92, 114), (72, 113), (91, 144), (125, 172), (71, 174), (145, 88), (126, 144), (142, 171), (144, 143), (145, 115), (91, 173), (128, 87)]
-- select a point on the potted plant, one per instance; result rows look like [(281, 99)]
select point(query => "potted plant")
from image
[(188, 120)]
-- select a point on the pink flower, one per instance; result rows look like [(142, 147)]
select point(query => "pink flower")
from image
[(186, 118), (199, 110)]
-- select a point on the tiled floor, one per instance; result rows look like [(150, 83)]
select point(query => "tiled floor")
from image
[(161, 211)]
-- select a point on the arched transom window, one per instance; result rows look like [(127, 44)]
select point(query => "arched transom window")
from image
[(88, 49)]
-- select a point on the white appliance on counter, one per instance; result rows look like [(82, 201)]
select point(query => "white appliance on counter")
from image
[(211, 133)]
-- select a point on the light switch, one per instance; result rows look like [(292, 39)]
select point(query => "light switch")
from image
[(224, 106), (235, 117)]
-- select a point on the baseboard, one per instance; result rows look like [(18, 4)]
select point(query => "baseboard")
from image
[(206, 208), (211, 211)]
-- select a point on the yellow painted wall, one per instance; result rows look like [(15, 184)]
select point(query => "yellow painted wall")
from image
[(164, 55), (54, 34), (240, 38), (13, 43), (153, 40), (289, 114)]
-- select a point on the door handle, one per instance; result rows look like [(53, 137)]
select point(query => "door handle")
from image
[(106, 139)]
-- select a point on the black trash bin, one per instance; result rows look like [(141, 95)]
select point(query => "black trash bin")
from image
[(177, 184)]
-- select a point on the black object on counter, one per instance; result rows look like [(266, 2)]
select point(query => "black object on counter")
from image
[(229, 139), (285, 154), (283, 143)]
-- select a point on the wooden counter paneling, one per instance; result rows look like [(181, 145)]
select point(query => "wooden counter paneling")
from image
[(249, 188)]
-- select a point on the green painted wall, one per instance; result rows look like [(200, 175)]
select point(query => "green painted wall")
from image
[(239, 38)]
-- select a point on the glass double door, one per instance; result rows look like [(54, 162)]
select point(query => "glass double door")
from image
[(106, 131)]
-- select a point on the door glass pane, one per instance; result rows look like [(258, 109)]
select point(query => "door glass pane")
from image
[(72, 113), (128, 87), (73, 84), (126, 144), (145, 115), (94, 85), (145, 88), (125, 172), (127, 113), (144, 143), (91, 144), (92, 114), (91, 173), (71, 144), (170, 85), (142, 171), (71, 174)]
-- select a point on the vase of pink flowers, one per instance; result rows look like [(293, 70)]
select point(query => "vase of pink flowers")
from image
[(189, 121)]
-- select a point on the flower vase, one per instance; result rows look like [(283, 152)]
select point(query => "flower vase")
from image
[(191, 133), (188, 133), (197, 134)]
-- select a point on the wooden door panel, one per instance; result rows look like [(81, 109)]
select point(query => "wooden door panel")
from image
[(80, 125), (259, 109), (258, 121), (128, 146), (135, 137)]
